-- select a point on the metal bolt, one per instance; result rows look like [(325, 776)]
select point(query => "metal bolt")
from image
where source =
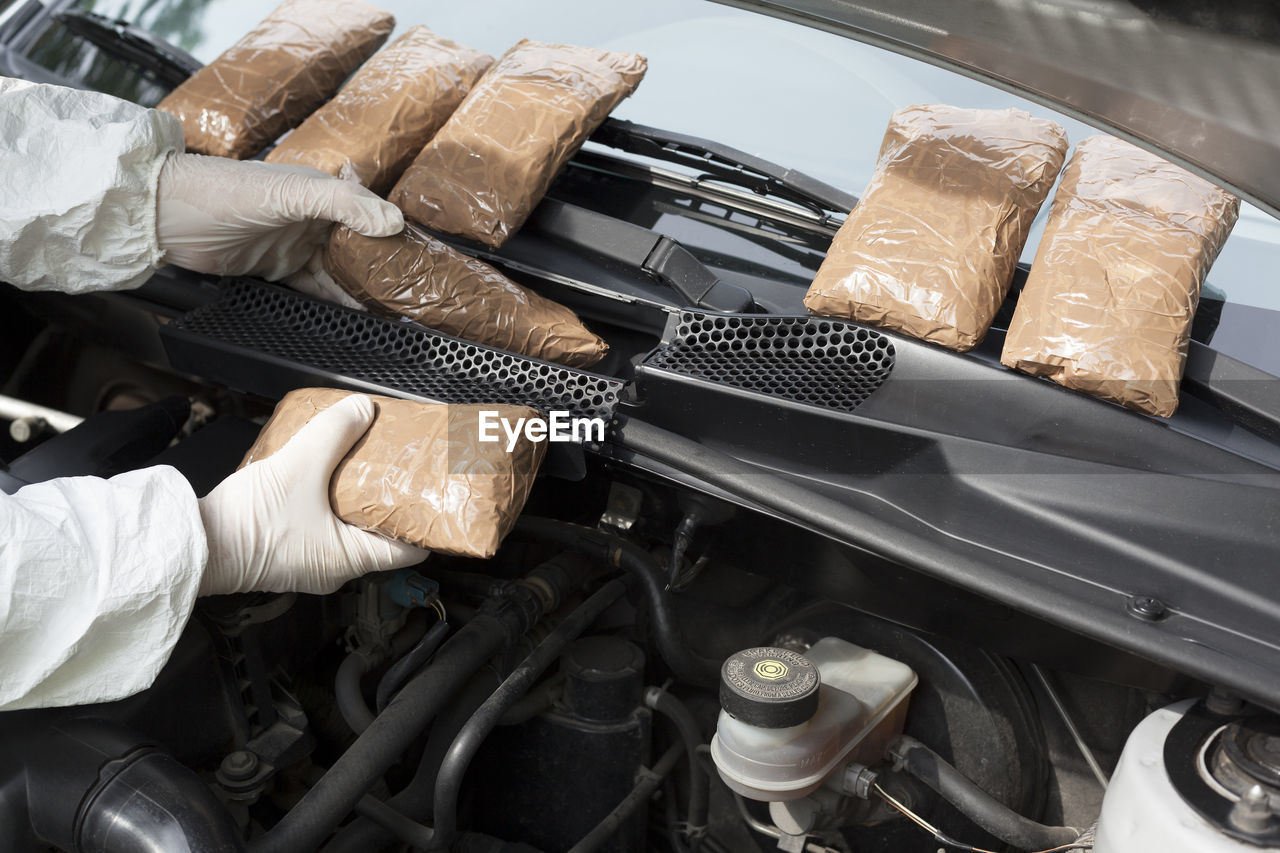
[(1252, 812), (1146, 608), (1224, 703), (239, 765)]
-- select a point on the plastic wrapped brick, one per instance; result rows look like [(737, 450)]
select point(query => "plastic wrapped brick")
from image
[(1108, 306), (416, 276), (388, 111), (492, 162), (276, 75), (932, 246), (420, 474)]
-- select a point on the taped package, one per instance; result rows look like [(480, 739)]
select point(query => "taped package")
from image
[(421, 474), (275, 76), (931, 248), (416, 276), (388, 111), (1108, 306), (492, 162)]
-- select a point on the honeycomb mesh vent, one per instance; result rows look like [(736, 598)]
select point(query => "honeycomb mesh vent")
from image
[(391, 354), (806, 359)]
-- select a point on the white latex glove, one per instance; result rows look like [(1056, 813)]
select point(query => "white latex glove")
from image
[(270, 526), (314, 281), (233, 217)]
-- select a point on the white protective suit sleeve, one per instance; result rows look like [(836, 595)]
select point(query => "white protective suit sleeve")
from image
[(97, 579), (92, 227)]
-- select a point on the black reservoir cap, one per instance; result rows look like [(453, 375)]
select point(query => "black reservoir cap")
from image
[(769, 687), (604, 678)]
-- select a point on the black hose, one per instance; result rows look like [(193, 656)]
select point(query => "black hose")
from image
[(346, 689), (92, 785), (533, 703), (385, 740), (973, 802), (691, 736), (486, 717), (650, 779), (686, 664), (384, 815), (414, 801), (413, 660)]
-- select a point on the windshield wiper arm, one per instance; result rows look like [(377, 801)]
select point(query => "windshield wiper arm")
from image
[(722, 163), (171, 65)]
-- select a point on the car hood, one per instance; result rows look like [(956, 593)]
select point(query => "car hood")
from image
[(1196, 85)]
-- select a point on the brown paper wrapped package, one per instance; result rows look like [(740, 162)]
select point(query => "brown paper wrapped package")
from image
[(1108, 306), (494, 159), (276, 75), (394, 104), (932, 246), (416, 276), (420, 474)]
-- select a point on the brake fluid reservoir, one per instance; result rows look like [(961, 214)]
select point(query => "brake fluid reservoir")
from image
[(787, 720)]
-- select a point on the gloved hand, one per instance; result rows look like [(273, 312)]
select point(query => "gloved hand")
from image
[(233, 217), (270, 526), (313, 280)]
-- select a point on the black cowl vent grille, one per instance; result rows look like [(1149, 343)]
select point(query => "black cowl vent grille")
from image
[(385, 353), (806, 359)]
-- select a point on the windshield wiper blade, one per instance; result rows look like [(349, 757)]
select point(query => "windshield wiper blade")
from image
[(722, 163), (171, 65)]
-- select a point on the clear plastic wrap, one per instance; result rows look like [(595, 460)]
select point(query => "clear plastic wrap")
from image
[(416, 276), (420, 474), (932, 246), (388, 111), (276, 75), (492, 162), (1108, 306)]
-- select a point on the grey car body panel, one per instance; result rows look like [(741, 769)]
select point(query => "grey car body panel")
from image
[(1202, 96)]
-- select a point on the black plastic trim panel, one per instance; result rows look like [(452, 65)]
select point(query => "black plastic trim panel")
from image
[(267, 340), (809, 360)]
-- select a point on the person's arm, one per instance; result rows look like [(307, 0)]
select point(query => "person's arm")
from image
[(78, 199), (98, 577), (97, 580), (97, 193)]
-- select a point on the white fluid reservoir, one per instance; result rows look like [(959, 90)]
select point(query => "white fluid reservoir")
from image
[(790, 720), (1142, 813)]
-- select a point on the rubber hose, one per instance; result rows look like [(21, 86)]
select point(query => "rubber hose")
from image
[(346, 690), (973, 802), (91, 785), (384, 742), (649, 782), (691, 736), (686, 664), (403, 669), (414, 802), (485, 719), (534, 702), (384, 815)]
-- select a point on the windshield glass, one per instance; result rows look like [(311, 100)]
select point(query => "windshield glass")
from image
[(805, 99)]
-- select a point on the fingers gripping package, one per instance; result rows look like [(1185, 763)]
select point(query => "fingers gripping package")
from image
[(389, 110), (932, 246), (494, 159), (1108, 306), (420, 474), (416, 276), (275, 76)]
